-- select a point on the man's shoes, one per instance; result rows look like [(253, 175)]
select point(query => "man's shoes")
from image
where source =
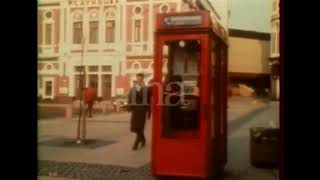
[(135, 146)]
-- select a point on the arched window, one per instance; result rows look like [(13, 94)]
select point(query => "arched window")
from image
[(77, 27), (137, 24), (48, 28), (110, 25), (93, 27)]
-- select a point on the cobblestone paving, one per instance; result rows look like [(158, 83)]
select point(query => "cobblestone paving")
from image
[(142, 173), (84, 171)]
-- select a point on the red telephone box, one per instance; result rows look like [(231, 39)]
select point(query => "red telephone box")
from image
[(189, 130)]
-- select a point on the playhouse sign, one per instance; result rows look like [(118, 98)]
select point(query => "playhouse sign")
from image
[(82, 3)]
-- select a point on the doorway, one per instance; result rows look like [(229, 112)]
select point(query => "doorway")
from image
[(48, 85), (106, 86)]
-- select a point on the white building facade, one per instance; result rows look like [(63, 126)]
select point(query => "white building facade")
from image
[(111, 40)]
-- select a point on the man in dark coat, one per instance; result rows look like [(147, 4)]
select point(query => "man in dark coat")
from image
[(138, 102)]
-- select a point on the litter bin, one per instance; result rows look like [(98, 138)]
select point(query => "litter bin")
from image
[(264, 146)]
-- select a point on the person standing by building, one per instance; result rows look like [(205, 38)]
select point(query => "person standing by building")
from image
[(138, 102), (89, 98)]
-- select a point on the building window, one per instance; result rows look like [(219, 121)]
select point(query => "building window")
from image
[(48, 36), (93, 68), (79, 69), (110, 31), (137, 24), (48, 88), (94, 26), (137, 30), (47, 28), (110, 25), (77, 32), (106, 68), (77, 27)]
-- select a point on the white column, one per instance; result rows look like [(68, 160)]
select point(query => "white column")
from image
[(101, 28), (87, 76), (113, 83), (119, 50), (277, 37), (68, 29), (124, 37), (86, 24), (123, 65), (62, 32), (277, 88), (71, 79), (61, 40), (124, 26), (179, 6), (99, 82), (150, 28), (61, 62), (117, 28)]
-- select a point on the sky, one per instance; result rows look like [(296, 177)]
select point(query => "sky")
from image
[(253, 15)]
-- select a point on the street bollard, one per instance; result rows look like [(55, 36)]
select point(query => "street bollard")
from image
[(264, 146)]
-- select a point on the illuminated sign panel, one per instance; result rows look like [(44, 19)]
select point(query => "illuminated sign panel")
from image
[(182, 20)]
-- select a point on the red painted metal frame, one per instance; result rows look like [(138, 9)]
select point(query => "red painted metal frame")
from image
[(200, 155)]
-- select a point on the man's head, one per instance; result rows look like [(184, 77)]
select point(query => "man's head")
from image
[(139, 77)]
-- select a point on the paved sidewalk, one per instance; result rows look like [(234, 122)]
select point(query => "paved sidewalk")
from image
[(238, 147), (115, 127)]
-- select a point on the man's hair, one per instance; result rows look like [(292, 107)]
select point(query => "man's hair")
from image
[(140, 74), (151, 81), (176, 78)]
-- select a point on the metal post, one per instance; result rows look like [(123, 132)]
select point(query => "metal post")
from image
[(82, 113)]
